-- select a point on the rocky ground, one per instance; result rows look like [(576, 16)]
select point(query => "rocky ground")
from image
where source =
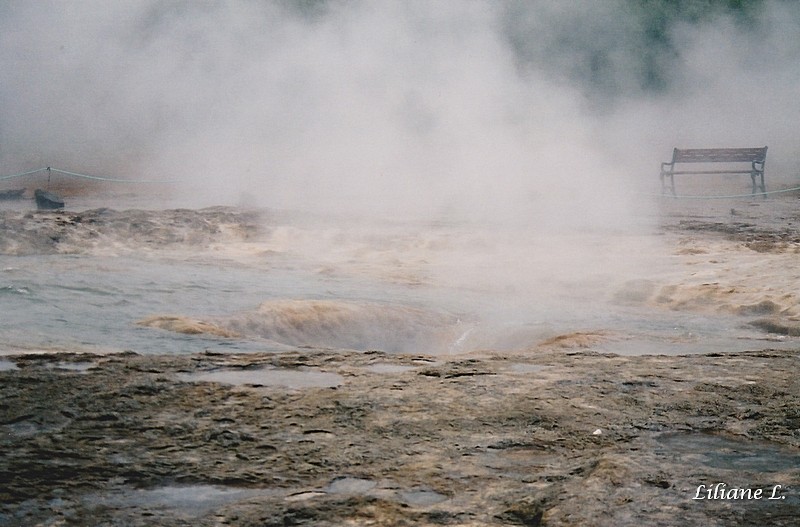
[(561, 436), (557, 434), (69, 232)]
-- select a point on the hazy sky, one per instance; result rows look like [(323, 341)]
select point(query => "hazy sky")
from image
[(534, 110)]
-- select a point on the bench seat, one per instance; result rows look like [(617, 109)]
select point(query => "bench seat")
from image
[(755, 157)]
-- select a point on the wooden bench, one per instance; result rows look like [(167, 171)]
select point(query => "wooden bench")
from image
[(756, 157)]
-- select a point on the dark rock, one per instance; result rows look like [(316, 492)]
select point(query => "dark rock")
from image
[(48, 200)]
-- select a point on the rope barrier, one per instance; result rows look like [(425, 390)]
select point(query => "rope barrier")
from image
[(152, 181), (12, 176), (112, 180), (732, 196), (85, 176)]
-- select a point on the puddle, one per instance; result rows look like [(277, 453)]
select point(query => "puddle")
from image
[(25, 429), (14, 290), (386, 367), (7, 365), (689, 343), (523, 367), (365, 487), (421, 498), (193, 499), (269, 377), (512, 461), (80, 367), (306, 495), (348, 485), (730, 454)]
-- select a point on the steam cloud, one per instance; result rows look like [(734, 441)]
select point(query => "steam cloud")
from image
[(547, 111)]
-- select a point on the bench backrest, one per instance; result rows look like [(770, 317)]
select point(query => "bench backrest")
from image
[(719, 155)]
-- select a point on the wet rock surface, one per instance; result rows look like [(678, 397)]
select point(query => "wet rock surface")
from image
[(66, 232), (553, 433), (760, 226), (557, 436)]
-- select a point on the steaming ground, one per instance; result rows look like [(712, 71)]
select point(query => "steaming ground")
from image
[(331, 324), (261, 279), (278, 368)]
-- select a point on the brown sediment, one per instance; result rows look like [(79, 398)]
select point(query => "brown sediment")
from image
[(327, 323), (347, 324), (579, 339), (742, 265), (98, 230), (187, 326)]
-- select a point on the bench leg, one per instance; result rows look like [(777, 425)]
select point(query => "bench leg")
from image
[(664, 177), (757, 186)]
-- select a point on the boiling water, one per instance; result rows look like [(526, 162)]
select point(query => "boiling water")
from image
[(167, 281)]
